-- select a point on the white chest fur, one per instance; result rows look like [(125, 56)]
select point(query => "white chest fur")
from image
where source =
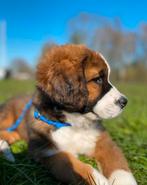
[(81, 137)]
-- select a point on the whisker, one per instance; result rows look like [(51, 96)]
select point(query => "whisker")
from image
[(113, 181), (92, 181)]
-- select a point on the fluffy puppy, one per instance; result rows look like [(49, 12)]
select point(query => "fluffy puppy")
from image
[(72, 86)]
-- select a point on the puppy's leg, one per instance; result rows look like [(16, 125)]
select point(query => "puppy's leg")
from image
[(5, 149), (68, 169), (10, 137), (7, 138), (62, 165), (112, 162)]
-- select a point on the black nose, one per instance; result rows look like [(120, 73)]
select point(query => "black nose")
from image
[(122, 102)]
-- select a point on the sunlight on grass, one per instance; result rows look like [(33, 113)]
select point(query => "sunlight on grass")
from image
[(10, 88), (129, 130)]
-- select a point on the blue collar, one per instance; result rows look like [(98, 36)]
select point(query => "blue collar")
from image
[(21, 117), (56, 124)]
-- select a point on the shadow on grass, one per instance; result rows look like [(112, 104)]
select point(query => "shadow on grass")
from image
[(24, 171)]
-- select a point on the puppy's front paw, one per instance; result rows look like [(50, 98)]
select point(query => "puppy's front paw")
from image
[(5, 149), (122, 177), (98, 179)]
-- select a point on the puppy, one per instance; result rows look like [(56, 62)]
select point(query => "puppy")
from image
[(72, 87)]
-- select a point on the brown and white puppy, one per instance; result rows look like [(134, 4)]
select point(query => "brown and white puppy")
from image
[(72, 86)]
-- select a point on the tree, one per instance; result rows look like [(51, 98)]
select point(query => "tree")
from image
[(143, 42), (20, 65), (120, 47)]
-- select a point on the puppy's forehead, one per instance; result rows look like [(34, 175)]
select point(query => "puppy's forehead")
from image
[(96, 66)]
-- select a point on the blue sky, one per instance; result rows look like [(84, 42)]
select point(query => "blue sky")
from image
[(30, 23)]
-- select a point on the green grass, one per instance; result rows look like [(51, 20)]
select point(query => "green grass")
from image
[(10, 88), (129, 130)]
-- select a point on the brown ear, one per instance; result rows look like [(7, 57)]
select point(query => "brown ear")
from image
[(64, 83)]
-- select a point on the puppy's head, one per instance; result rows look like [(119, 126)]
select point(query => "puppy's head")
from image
[(77, 79)]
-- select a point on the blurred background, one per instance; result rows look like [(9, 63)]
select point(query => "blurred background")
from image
[(117, 29)]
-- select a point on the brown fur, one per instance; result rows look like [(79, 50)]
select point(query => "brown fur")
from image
[(10, 137), (63, 76), (109, 155), (68, 168), (64, 82)]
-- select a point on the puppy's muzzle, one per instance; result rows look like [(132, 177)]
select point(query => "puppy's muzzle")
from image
[(122, 102)]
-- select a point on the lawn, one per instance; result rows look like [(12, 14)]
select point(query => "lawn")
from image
[(129, 130)]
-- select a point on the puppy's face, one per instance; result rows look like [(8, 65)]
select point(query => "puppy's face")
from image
[(77, 79)]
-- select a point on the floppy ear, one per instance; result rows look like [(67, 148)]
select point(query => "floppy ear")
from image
[(64, 83)]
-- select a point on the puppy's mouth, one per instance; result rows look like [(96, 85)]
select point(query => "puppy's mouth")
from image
[(110, 105)]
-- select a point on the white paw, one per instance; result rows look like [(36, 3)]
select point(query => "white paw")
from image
[(122, 177), (99, 178), (5, 149)]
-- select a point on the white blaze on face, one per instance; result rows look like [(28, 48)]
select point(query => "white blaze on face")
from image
[(107, 107)]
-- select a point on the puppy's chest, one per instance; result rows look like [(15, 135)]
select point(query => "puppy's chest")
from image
[(77, 139)]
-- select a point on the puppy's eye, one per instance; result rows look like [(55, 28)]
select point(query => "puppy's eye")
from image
[(98, 80)]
